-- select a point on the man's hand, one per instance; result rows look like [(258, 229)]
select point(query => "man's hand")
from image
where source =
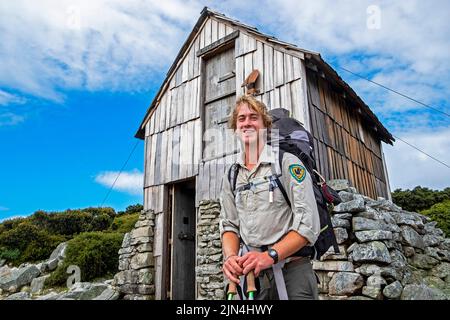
[(257, 261), (232, 268)]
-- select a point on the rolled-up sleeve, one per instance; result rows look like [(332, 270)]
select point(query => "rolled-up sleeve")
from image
[(228, 219), (298, 184)]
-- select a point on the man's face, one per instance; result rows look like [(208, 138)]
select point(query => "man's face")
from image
[(249, 124)]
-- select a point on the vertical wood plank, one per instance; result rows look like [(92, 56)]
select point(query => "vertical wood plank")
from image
[(182, 173), (186, 100), (296, 101), (168, 108), (278, 68), (197, 145), (163, 159), (304, 96), (151, 171), (288, 67), (296, 68), (176, 153), (158, 164), (190, 148), (214, 31), (212, 178), (248, 64), (268, 68), (276, 98), (207, 33), (221, 30), (258, 64), (206, 178), (169, 156), (239, 76)]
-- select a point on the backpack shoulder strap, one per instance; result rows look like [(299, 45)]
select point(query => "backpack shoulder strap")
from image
[(232, 176), (277, 179)]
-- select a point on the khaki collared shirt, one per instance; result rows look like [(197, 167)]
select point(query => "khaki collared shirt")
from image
[(254, 218)]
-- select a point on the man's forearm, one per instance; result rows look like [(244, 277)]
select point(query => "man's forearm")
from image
[(230, 244), (290, 244)]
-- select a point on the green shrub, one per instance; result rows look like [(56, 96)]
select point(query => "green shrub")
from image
[(440, 213), (419, 198), (135, 208), (32, 244), (9, 254), (95, 253), (124, 223)]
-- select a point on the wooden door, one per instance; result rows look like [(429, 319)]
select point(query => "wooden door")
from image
[(183, 241), (220, 95)]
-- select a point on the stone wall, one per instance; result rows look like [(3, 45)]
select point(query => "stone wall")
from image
[(135, 280), (386, 253), (210, 281)]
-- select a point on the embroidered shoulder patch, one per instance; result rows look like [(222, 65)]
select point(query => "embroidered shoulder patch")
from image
[(298, 172)]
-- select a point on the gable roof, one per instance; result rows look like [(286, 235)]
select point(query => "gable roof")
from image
[(315, 57)]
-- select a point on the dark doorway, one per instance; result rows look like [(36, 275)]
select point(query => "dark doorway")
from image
[(183, 241)]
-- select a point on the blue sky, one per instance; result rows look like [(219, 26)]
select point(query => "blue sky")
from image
[(75, 84)]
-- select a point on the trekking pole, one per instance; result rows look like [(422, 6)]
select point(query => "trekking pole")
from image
[(251, 287), (232, 290)]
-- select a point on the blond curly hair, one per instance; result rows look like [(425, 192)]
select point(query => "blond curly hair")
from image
[(255, 105)]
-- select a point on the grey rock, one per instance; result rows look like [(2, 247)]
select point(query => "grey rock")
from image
[(421, 292), (393, 290), (19, 296), (372, 292), (38, 284), (19, 277), (430, 240), (341, 223), (384, 204), (409, 251), (391, 244), (399, 261), (49, 296), (434, 282), (338, 184), (408, 218), (361, 224), (84, 291), (2, 262), (358, 298), (373, 235), (345, 283), (374, 251), (442, 270), (341, 235), (356, 205), (343, 216), (108, 294), (432, 252), (369, 269), (391, 274), (376, 281), (52, 264), (333, 266), (423, 261), (411, 238), (142, 232), (346, 196), (60, 252), (142, 260), (324, 280), (331, 255)]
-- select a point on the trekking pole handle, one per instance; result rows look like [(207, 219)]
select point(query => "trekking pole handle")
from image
[(232, 289), (251, 287)]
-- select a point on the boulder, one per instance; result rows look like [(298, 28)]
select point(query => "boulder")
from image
[(340, 223), (333, 266), (372, 292), (346, 196), (373, 235), (356, 205), (341, 235), (374, 251), (376, 281), (60, 252), (338, 184), (108, 294), (361, 224), (423, 261), (345, 283), (411, 238), (18, 278), (393, 290), (421, 292), (38, 284), (19, 296)]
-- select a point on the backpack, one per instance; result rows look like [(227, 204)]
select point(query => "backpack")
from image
[(293, 138)]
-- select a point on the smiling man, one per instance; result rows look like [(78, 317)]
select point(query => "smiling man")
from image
[(259, 230)]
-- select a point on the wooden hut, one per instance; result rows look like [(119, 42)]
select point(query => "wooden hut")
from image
[(184, 167)]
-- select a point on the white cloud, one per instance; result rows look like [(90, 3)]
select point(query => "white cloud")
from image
[(48, 47), (8, 98), (129, 182), (408, 167)]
